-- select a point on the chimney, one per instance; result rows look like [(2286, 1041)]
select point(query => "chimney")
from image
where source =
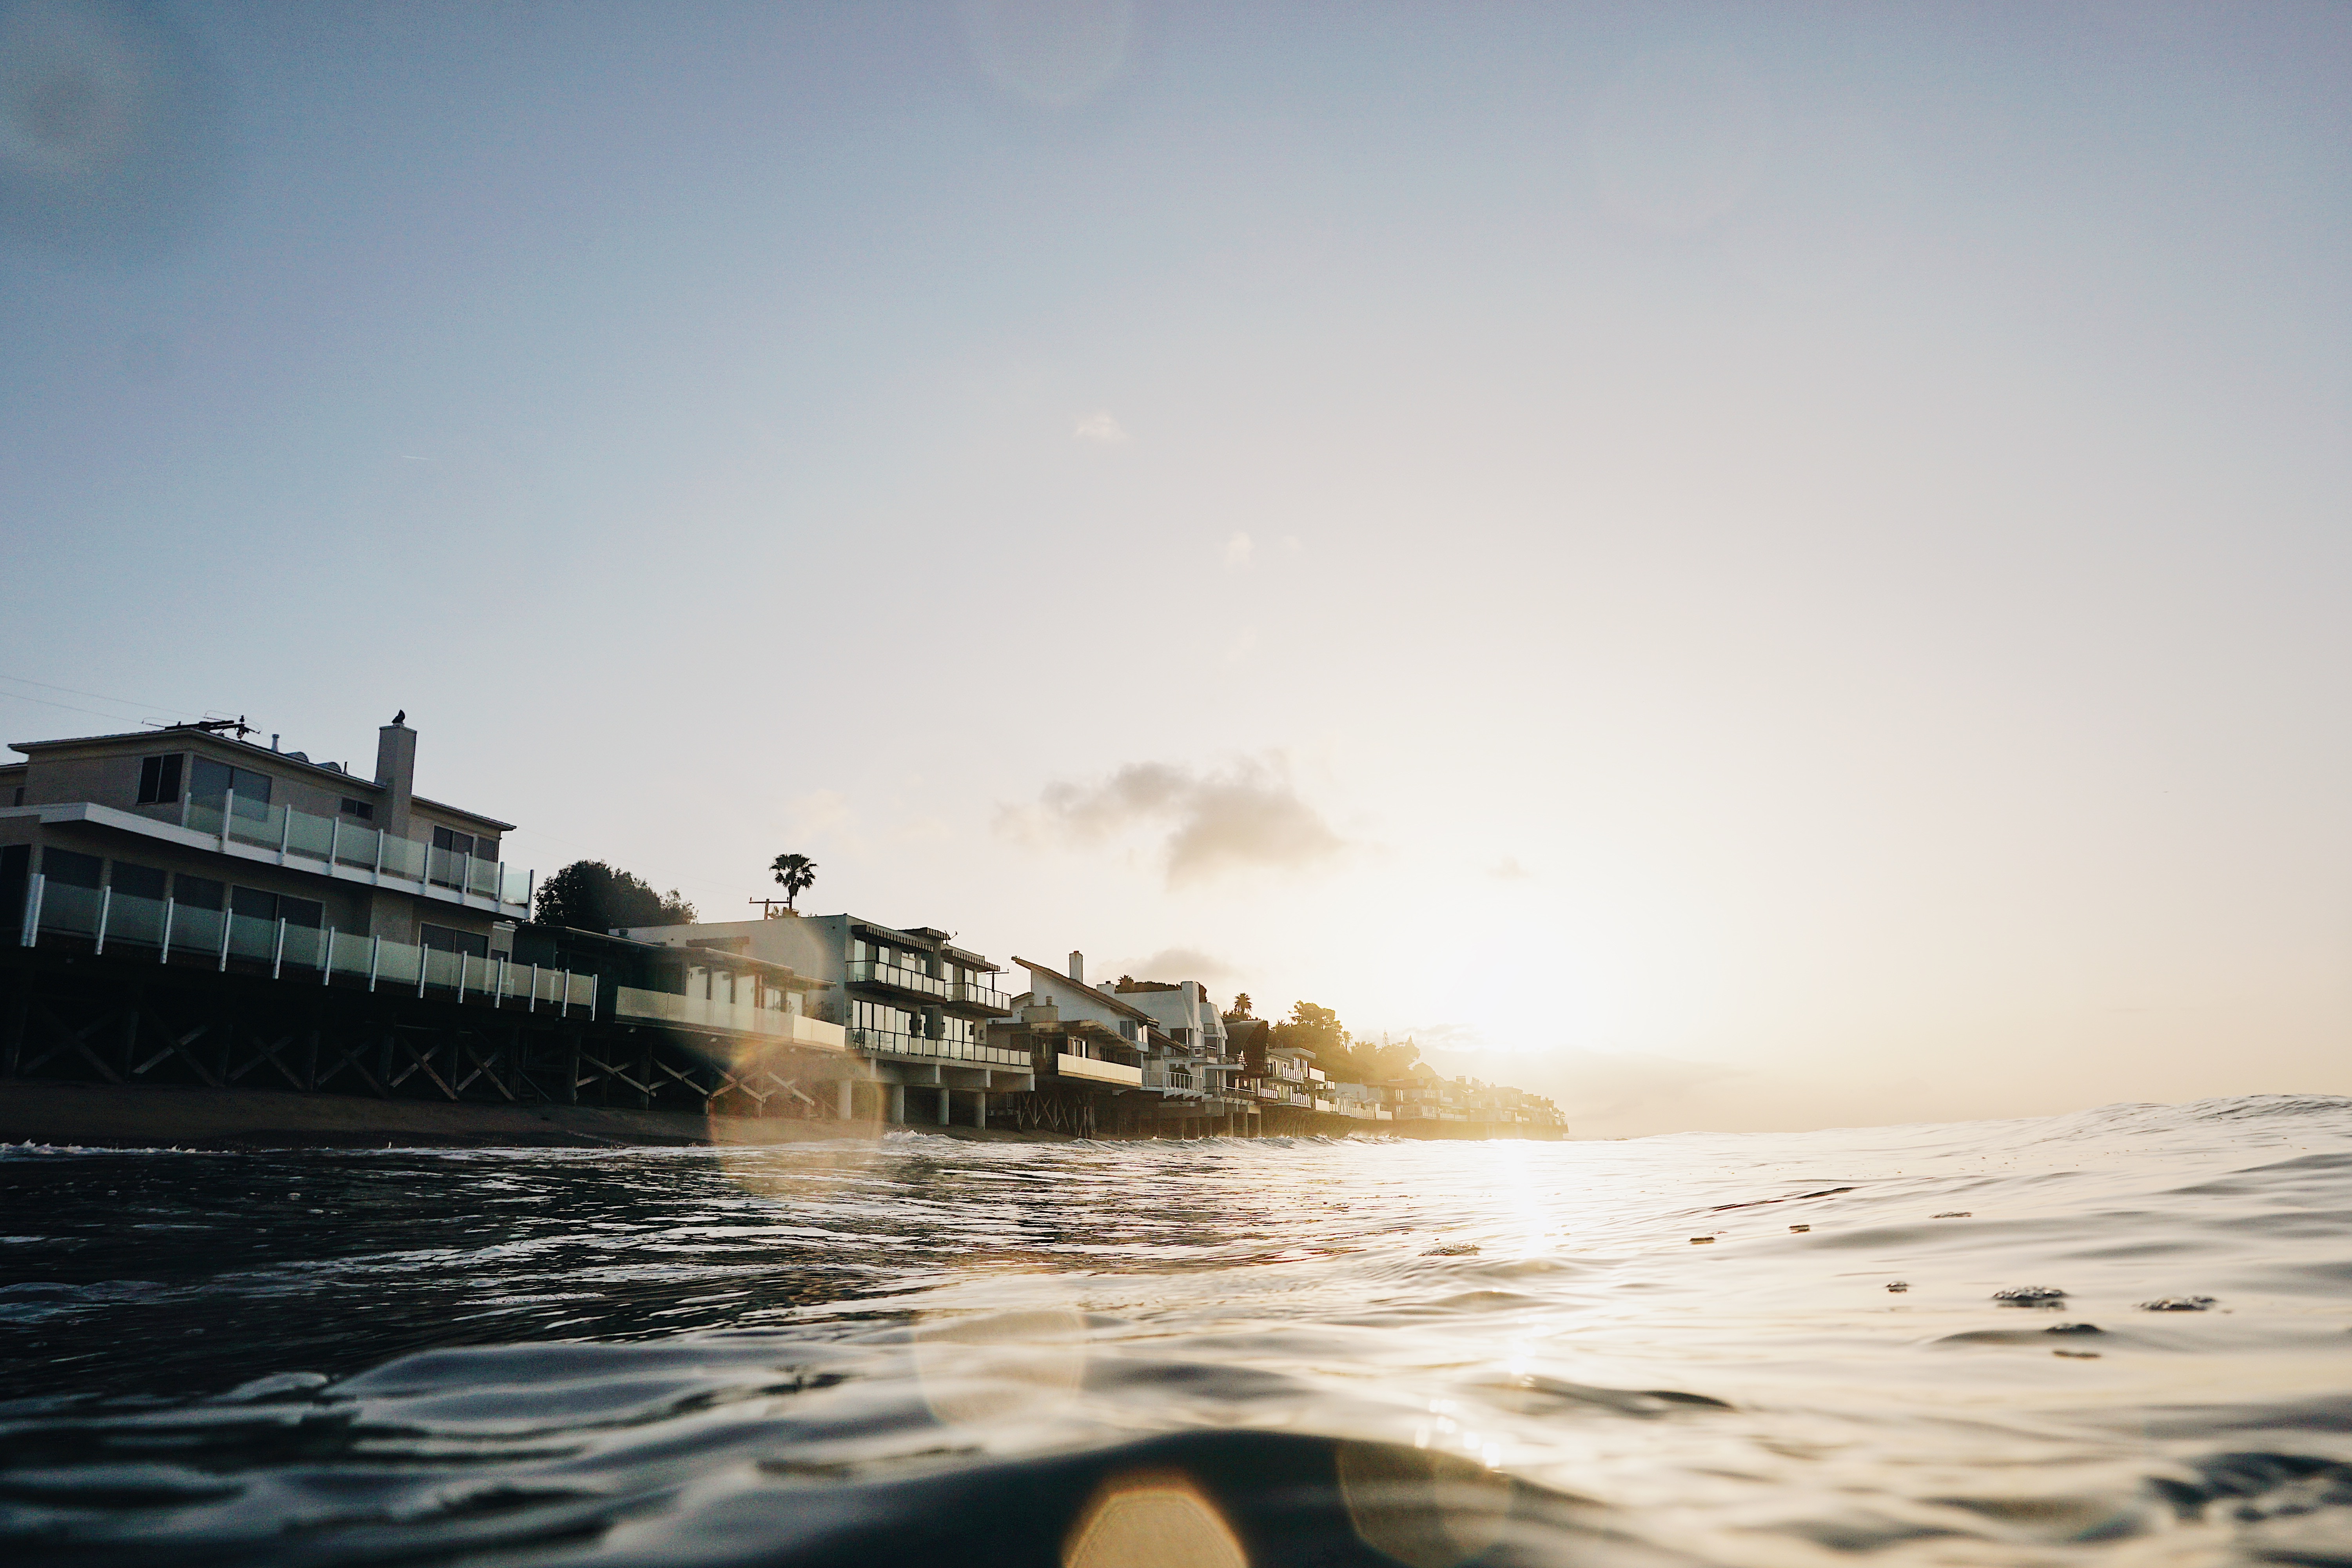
[(395, 769), (1077, 969)]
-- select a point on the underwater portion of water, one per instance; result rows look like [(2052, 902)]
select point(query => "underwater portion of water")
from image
[(2120, 1337)]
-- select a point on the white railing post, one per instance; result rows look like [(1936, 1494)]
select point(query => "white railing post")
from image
[(334, 838), (228, 924), (30, 933), (534, 990), (465, 874), (462, 956), (375, 956), (105, 906), (424, 967), (285, 831), (326, 957), (278, 958), (228, 810), (529, 890), (171, 907), (378, 854)]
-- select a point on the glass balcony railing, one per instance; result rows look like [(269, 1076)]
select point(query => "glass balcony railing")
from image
[(178, 933), (890, 1042), (345, 843), (974, 994), (867, 971)]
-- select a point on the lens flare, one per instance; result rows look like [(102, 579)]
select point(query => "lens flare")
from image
[(1152, 1519), (988, 1367), (1424, 1509)]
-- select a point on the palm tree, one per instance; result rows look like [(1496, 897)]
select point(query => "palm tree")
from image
[(795, 873)]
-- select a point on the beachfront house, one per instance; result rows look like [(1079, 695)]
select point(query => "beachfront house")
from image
[(1195, 1069), (915, 1008), (210, 847)]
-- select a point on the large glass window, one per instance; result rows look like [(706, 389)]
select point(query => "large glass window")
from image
[(70, 870), (253, 904), (198, 892), (306, 913), (159, 780), (448, 941), (137, 881), (209, 780)]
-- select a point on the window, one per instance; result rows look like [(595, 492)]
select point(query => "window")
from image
[(253, 904), (305, 912), (198, 892), (137, 881), (364, 810), (209, 780), (456, 843), (476, 943), (70, 869), (159, 780)]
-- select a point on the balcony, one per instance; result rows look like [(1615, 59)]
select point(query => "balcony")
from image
[(971, 994), (898, 977), (306, 955), (1069, 1066), (891, 1043), (726, 1018)]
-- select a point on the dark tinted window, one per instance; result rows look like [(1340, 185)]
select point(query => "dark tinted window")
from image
[(137, 881), (253, 904), (302, 912), (452, 841), (198, 892), (362, 809), (159, 779), (73, 870), (447, 941), (211, 781)]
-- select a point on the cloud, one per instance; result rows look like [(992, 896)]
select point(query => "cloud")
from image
[(1237, 550), (1101, 429), (1508, 869), (1247, 817), (1181, 963)]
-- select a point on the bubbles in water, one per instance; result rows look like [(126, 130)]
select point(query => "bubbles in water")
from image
[(1057, 54)]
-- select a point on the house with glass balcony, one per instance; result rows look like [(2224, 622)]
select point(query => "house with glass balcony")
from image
[(1196, 1069), (915, 1008), (199, 843)]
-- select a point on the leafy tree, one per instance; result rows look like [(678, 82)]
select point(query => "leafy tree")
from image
[(1315, 1030), (795, 874), (589, 894)]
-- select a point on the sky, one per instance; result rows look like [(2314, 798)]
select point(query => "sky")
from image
[(1743, 567)]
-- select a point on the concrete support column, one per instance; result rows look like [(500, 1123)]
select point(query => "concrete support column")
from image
[(945, 1094), (847, 1103), (898, 1103), (980, 1107)]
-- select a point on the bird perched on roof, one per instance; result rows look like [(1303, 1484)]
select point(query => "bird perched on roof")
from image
[(400, 717)]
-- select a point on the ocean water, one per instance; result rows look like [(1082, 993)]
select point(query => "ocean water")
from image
[(1183, 1355)]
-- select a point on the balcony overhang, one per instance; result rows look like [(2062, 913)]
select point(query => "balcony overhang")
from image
[(92, 814)]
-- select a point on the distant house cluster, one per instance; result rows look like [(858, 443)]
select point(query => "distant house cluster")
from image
[(391, 931)]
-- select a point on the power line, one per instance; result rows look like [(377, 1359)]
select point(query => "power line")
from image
[(78, 691), (68, 707)]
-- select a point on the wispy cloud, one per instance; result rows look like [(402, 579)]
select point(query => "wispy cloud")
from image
[(1182, 963), (1246, 817), (1101, 429), (1238, 549), (1508, 869)]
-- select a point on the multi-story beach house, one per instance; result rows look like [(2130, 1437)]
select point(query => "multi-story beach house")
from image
[(1193, 1069), (915, 1008), (192, 837)]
